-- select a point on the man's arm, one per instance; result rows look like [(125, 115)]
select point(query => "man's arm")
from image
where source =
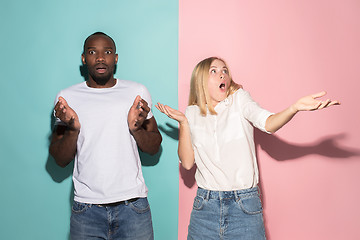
[(64, 138), (63, 145), (144, 131)]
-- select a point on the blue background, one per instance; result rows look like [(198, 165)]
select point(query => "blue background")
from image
[(41, 43)]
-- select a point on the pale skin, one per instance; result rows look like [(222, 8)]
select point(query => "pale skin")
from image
[(64, 138), (273, 123)]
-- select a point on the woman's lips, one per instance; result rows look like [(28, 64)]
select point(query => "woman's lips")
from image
[(222, 86)]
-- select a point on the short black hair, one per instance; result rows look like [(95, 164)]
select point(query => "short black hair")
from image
[(98, 33)]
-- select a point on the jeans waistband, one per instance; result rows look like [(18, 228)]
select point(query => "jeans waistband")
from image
[(114, 204), (210, 194)]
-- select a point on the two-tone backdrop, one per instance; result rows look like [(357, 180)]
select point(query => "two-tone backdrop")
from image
[(278, 50)]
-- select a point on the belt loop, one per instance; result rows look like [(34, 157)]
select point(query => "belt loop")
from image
[(258, 190), (236, 196), (208, 195)]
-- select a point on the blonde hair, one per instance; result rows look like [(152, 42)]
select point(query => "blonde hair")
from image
[(199, 94)]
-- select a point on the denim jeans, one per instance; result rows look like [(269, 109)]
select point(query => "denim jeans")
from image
[(127, 220), (227, 215)]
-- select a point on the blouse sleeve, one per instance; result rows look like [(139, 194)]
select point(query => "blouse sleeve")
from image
[(254, 113)]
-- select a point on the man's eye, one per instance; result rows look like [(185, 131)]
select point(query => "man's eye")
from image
[(108, 52), (91, 52)]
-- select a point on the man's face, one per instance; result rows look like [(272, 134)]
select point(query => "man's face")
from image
[(100, 58)]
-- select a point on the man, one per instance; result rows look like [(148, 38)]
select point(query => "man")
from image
[(101, 123)]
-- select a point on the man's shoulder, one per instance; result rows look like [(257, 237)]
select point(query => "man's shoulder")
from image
[(129, 84), (74, 87)]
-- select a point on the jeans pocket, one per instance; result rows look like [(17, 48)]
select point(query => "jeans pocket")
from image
[(79, 207), (198, 203), (141, 205), (250, 204)]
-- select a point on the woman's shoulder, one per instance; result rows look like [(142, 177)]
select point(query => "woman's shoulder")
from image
[(192, 109), (240, 91), (240, 94)]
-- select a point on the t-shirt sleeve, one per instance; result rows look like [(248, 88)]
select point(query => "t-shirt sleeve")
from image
[(254, 113)]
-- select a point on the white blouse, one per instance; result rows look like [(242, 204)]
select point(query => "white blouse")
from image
[(224, 143)]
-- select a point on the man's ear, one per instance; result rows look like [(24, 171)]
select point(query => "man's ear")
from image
[(116, 58), (83, 59)]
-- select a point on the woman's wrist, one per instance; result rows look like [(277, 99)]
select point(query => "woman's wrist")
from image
[(294, 109), (184, 122)]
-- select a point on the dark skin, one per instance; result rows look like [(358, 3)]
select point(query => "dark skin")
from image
[(100, 58)]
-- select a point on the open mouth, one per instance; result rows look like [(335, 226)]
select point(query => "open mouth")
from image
[(101, 69), (222, 86)]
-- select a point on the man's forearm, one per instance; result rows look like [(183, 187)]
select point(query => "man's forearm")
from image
[(147, 141), (64, 149)]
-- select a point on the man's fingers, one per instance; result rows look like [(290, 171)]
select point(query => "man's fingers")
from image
[(136, 102), (139, 111), (63, 102)]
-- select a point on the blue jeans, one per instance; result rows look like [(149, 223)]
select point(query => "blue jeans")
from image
[(227, 215), (126, 220)]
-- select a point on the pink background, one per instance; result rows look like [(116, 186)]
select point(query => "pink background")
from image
[(279, 51)]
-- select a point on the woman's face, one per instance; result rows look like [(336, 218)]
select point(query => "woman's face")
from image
[(218, 82)]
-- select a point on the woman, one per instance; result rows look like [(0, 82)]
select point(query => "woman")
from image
[(216, 133)]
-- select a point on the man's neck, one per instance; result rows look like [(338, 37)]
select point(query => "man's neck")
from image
[(110, 83)]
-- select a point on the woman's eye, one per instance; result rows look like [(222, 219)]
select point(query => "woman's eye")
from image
[(213, 71), (225, 71)]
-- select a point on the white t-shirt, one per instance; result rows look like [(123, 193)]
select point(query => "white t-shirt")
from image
[(224, 143), (107, 165)]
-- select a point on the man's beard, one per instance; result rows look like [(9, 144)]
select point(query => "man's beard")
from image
[(101, 79)]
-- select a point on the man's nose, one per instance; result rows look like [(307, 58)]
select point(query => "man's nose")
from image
[(100, 58)]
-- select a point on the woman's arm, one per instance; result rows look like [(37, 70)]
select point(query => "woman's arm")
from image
[(307, 103), (185, 150)]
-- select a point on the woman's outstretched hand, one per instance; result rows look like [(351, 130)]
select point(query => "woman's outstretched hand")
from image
[(171, 113), (185, 150), (311, 102), (307, 103)]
